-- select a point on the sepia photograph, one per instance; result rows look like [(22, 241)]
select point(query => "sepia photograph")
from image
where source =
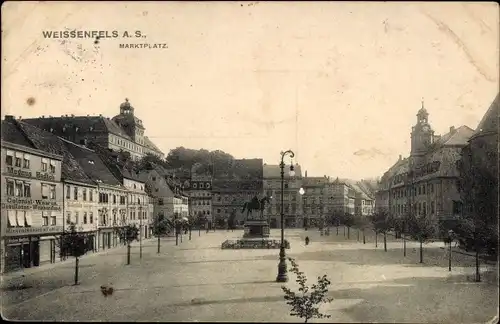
[(250, 161)]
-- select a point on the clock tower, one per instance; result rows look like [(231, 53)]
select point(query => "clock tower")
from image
[(422, 136)]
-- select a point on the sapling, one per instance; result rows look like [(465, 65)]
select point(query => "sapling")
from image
[(305, 304)]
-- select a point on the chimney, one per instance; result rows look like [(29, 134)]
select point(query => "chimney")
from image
[(400, 157), (9, 117), (452, 129), (43, 116), (305, 175)]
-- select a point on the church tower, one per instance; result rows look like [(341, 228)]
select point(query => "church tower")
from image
[(422, 137), (130, 123)]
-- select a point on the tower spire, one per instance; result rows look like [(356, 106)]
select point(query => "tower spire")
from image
[(422, 102)]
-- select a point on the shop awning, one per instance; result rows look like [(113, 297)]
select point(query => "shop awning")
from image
[(29, 221), (12, 217), (20, 219)]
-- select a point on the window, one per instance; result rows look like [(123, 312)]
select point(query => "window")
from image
[(27, 190), (45, 218), (75, 193), (68, 192), (91, 195), (26, 161), (44, 165), (114, 199), (68, 218), (77, 218), (10, 188), (160, 201), (52, 166), (84, 194), (432, 208), (9, 158), (85, 218), (19, 189), (53, 220), (52, 189), (19, 160), (45, 191), (91, 218), (423, 189)]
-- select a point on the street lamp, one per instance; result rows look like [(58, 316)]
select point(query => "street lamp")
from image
[(282, 268), (140, 231)]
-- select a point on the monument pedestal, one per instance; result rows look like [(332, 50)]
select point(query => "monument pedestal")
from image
[(256, 229)]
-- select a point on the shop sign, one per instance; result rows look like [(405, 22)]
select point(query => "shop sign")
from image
[(26, 203), (15, 240), (18, 172), (33, 230), (27, 174)]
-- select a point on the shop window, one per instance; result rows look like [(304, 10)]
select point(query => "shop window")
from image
[(45, 218), (53, 220), (52, 166), (26, 161), (84, 218), (9, 158), (44, 165)]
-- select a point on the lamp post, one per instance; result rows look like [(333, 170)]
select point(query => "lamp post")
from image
[(282, 268), (450, 239)]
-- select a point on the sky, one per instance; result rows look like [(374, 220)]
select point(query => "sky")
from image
[(338, 83)]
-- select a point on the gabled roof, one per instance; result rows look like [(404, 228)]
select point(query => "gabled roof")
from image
[(148, 143), (12, 133), (274, 171), (459, 136), (92, 164), (489, 124)]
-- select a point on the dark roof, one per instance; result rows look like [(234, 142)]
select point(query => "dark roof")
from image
[(239, 169), (96, 124), (92, 164), (274, 171), (458, 136), (490, 121), (314, 181), (118, 163), (12, 133), (48, 142)]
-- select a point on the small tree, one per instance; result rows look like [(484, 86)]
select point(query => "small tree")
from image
[(382, 223), (160, 227), (421, 229), (336, 219), (305, 304), (348, 221), (128, 234), (72, 243)]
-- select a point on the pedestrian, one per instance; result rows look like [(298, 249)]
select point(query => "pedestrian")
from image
[(307, 240)]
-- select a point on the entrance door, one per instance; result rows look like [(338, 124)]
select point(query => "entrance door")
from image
[(26, 255), (109, 240), (35, 248), (274, 223)]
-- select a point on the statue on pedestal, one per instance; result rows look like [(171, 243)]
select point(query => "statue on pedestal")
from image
[(256, 204)]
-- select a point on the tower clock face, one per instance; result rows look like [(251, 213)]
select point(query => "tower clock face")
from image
[(425, 128)]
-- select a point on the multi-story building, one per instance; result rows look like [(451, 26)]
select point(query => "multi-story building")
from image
[(123, 132), (32, 203), (426, 182), (200, 194), (292, 200), (313, 205), (168, 196), (233, 185), (105, 205)]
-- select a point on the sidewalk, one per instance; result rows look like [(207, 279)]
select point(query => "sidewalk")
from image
[(49, 266)]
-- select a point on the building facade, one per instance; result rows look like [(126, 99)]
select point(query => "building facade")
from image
[(123, 132), (313, 204), (32, 206), (292, 200), (232, 186), (426, 182), (200, 196)]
